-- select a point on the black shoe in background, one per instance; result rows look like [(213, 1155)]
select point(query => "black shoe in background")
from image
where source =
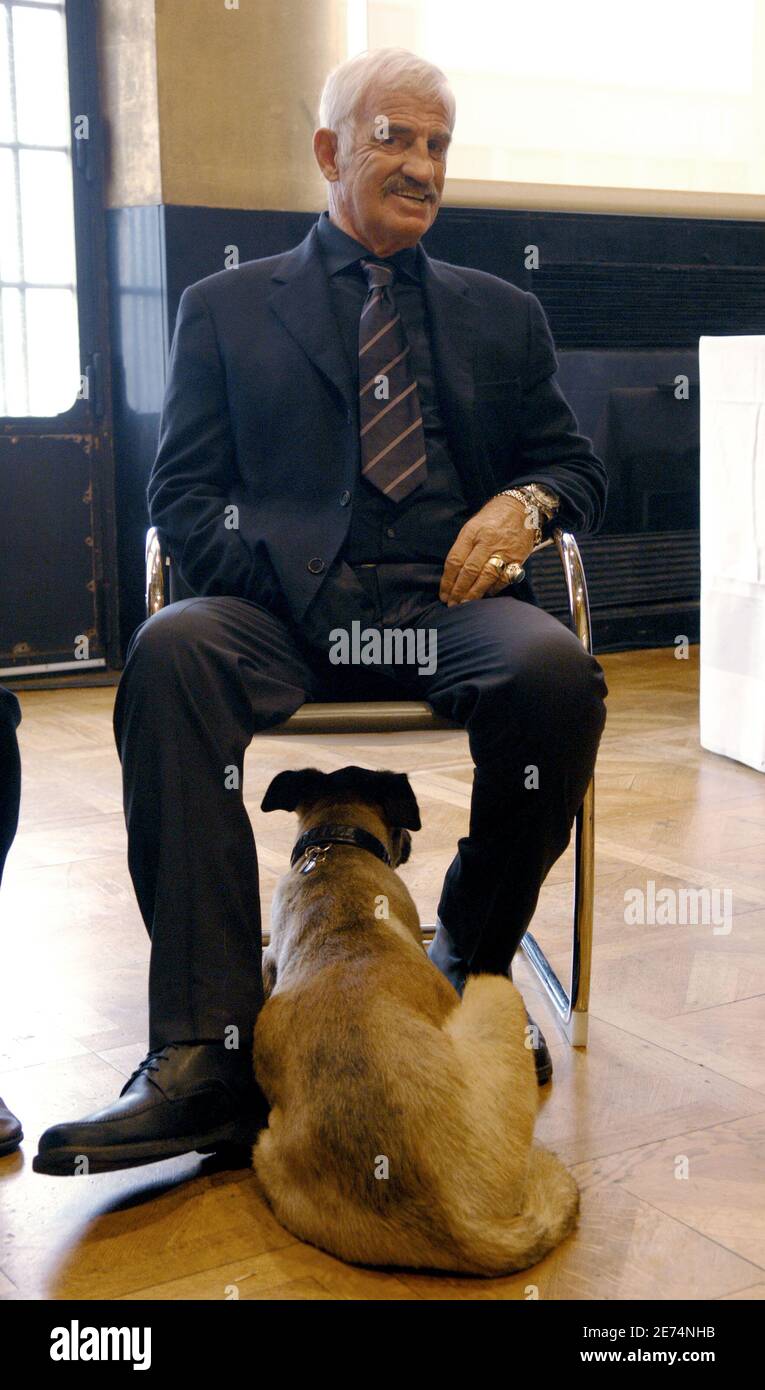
[(11, 1133), (542, 1058)]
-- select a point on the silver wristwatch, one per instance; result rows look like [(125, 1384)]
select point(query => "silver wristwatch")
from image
[(541, 505)]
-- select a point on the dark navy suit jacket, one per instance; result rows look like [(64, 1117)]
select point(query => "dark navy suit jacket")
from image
[(260, 411)]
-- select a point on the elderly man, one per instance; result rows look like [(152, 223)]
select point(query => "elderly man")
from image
[(351, 432)]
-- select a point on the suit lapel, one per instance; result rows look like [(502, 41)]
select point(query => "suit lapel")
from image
[(300, 299)]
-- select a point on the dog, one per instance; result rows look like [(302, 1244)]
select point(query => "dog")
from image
[(402, 1118)]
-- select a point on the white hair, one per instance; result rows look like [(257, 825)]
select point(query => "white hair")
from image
[(347, 85)]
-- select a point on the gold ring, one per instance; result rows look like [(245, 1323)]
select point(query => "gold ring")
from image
[(508, 570)]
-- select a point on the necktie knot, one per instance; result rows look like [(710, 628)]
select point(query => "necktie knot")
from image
[(379, 276)]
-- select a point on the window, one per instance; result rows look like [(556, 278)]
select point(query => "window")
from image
[(39, 336)]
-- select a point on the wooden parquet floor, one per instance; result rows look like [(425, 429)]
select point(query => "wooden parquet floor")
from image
[(662, 1118)]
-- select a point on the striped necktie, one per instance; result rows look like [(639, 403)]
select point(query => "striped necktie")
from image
[(390, 421)]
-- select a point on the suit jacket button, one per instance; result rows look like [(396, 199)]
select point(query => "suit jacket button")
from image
[(345, 498), (316, 565)]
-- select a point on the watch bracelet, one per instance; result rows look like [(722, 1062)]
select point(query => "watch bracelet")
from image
[(539, 509)]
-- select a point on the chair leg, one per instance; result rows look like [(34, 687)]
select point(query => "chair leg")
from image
[(572, 1007)]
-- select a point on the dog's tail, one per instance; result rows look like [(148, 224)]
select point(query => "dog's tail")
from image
[(515, 1200)]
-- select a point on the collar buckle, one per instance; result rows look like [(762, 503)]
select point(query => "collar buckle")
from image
[(313, 855)]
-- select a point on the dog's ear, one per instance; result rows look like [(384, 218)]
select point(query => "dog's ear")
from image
[(288, 790), (389, 790), (399, 801)]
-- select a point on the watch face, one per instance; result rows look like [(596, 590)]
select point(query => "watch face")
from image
[(548, 499)]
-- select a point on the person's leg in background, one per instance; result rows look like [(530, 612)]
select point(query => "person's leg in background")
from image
[(201, 677), (10, 799)]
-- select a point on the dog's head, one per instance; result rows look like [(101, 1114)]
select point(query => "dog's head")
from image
[(318, 796)]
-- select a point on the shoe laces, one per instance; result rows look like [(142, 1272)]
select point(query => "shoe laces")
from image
[(150, 1063)]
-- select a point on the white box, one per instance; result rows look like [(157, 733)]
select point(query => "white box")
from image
[(732, 424)]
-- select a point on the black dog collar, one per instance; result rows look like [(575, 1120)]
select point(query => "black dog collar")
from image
[(333, 834)]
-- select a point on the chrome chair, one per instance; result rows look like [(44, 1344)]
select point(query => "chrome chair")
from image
[(399, 716)]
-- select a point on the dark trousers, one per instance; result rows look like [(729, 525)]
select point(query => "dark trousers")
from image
[(10, 772), (204, 675)]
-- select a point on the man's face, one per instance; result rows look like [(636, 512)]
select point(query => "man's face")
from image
[(388, 190)]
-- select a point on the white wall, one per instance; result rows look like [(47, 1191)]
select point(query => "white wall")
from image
[(663, 96)]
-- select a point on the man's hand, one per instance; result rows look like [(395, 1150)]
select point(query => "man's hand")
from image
[(498, 529)]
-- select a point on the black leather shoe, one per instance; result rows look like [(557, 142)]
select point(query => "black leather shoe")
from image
[(183, 1097), (11, 1133)]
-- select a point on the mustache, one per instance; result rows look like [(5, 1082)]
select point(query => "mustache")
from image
[(427, 193)]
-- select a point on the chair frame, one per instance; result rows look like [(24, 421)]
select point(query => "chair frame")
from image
[(570, 1006)]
